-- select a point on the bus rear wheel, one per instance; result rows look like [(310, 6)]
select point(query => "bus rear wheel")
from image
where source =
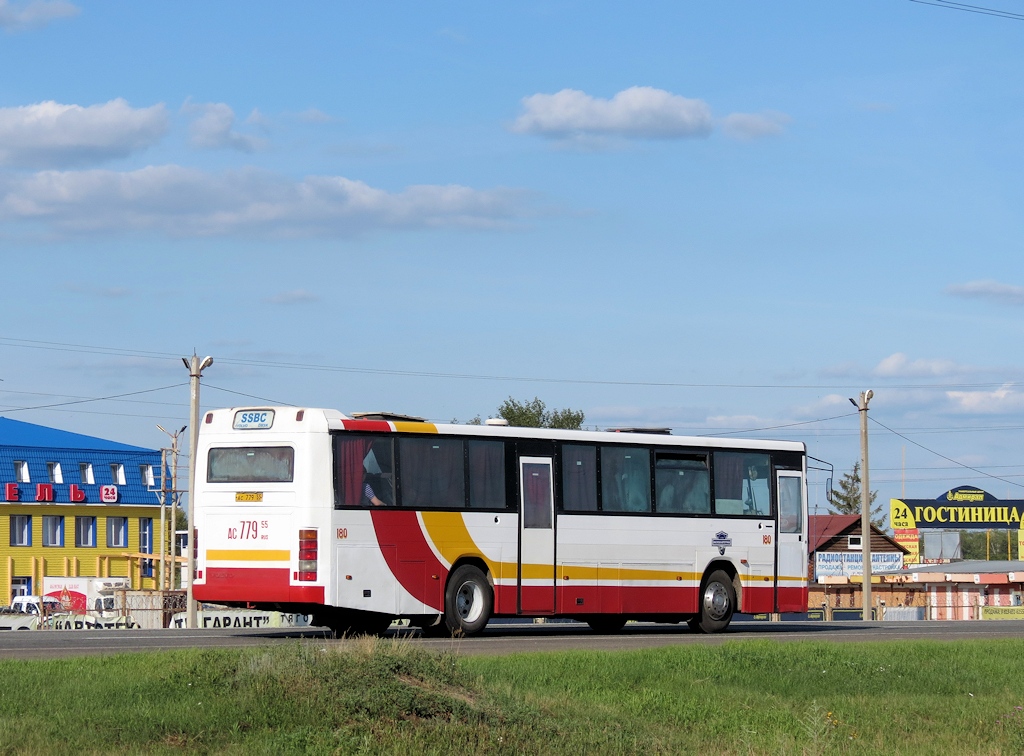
[(468, 601), (717, 604)]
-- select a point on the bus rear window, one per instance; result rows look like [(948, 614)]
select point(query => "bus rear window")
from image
[(251, 464)]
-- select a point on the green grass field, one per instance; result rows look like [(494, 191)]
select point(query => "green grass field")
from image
[(386, 696)]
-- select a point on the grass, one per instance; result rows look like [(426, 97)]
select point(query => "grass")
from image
[(386, 696)]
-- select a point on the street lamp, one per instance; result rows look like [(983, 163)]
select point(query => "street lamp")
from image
[(195, 372)]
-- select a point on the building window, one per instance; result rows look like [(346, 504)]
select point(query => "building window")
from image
[(85, 469), (21, 586), (85, 532), (21, 530), (854, 542), (117, 474), (53, 470), (117, 532), (146, 471), (53, 530), (146, 544), (21, 472)]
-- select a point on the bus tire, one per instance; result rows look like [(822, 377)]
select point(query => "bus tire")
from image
[(606, 623), (468, 601), (717, 603)]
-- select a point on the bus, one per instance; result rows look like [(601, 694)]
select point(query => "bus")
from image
[(360, 520)]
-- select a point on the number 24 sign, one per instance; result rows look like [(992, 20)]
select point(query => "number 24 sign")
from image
[(108, 494)]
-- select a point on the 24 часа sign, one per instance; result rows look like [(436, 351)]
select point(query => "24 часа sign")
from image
[(962, 508)]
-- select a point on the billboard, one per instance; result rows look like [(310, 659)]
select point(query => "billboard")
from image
[(961, 508), (850, 563)]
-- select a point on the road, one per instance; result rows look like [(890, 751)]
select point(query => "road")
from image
[(500, 639)]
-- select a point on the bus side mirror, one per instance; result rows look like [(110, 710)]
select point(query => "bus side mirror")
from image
[(828, 490)]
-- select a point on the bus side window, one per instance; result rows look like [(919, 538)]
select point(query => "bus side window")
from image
[(741, 484), (486, 474), (625, 479), (681, 484), (361, 462), (433, 473), (579, 478)]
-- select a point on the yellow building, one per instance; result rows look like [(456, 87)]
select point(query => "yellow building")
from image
[(76, 506)]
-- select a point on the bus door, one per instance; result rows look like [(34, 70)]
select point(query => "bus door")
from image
[(536, 536), (791, 560)]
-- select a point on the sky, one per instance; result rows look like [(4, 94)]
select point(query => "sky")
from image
[(725, 218)]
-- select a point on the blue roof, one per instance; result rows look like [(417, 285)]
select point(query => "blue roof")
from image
[(18, 433)]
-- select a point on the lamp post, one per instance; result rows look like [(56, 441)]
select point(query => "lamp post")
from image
[(195, 372), (865, 499), (163, 498)]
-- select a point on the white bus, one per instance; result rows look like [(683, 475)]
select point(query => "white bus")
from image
[(361, 520)]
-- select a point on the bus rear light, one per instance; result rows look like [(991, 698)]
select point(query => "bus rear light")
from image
[(307, 554)]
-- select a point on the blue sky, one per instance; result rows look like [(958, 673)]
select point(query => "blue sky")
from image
[(719, 217)]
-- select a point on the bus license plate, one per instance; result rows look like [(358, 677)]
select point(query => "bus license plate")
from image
[(249, 496)]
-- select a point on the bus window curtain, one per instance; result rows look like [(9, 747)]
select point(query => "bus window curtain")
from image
[(728, 475), (349, 457)]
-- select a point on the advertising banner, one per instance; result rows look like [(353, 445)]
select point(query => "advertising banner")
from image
[(962, 508), (911, 541), (848, 564)]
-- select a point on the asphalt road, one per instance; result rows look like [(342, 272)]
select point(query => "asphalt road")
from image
[(500, 639)]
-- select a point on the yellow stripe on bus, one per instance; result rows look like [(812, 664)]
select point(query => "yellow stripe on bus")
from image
[(403, 426), (248, 555), (448, 533)]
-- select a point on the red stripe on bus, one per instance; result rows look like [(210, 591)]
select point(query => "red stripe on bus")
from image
[(409, 556), (241, 584), (367, 425), (793, 599)]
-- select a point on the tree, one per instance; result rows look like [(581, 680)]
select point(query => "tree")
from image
[(847, 499), (535, 414)]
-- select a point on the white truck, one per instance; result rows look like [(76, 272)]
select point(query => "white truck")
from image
[(26, 612)]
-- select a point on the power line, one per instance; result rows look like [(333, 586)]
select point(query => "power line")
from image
[(94, 399), (972, 9), (943, 456), (90, 349), (250, 396)]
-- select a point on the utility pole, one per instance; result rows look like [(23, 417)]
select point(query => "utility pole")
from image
[(195, 372), (167, 582), (865, 499)]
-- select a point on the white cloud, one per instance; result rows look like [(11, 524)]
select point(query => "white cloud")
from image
[(33, 14), (1002, 400), (212, 128), (295, 296), (898, 365), (991, 290), (49, 134), (749, 126), (314, 115), (638, 112), (187, 202)]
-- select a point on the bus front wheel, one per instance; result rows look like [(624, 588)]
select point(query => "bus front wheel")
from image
[(717, 604), (468, 601)]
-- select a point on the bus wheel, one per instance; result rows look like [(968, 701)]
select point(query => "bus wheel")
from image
[(717, 604), (468, 601), (607, 623)]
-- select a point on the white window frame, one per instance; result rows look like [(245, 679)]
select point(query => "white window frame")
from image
[(54, 471), (117, 473), (90, 541), (21, 471), (18, 525), (53, 531), (85, 470), (148, 480), (854, 542), (112, 529)]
